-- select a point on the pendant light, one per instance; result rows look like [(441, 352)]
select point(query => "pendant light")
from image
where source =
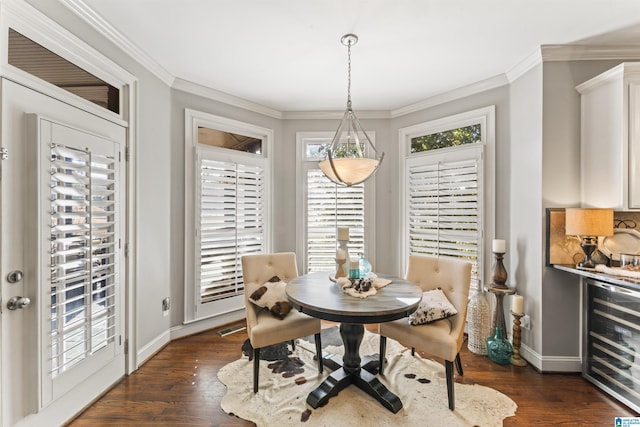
[(351, 157)]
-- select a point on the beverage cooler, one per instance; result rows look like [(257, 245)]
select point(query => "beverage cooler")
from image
[(612, 340)]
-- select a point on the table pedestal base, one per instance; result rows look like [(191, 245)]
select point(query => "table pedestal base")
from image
[(350, 369)]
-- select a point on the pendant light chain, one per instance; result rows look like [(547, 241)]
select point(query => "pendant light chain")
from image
[(349, 75), (353, 159)]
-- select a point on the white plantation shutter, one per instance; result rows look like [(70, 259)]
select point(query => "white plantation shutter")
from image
[(231, 223), (330, 206), (84, 242), (443, 205)]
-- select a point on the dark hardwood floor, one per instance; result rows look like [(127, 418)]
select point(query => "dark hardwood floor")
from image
[(179, 387)]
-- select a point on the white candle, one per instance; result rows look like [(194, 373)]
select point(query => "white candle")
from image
[(499, 246), (343, 233), (341, 254), (517, 304)]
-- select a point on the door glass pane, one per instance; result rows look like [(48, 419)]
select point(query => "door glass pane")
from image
[(83, 250)]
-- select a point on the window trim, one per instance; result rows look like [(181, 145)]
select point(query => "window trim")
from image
[(194, 119), (301, 200), (486, 118)]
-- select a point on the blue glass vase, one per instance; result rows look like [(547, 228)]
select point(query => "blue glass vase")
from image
[(498, 348), (365, 266)]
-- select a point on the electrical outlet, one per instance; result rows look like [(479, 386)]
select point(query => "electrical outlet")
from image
[(525, 322), (166, 304)]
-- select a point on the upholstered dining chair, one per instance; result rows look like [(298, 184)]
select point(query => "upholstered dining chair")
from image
[(263, 327), (441, 338)]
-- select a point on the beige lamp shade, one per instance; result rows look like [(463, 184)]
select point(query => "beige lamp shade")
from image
[(589, 222)]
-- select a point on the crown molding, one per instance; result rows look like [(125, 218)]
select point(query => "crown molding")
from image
[(542, 54), (522, 67), (95, 21), (216, 95), (452, 95), (552, 52), (335, 115)]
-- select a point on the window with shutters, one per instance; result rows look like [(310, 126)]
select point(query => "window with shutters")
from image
[(229, 214), (326, 206), (446, 188), (80, 199), (84, 243)]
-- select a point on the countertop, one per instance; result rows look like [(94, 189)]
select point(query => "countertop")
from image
[(608, 278)]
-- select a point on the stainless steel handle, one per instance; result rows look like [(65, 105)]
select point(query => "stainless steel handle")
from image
[(615, 288), (15, 303)]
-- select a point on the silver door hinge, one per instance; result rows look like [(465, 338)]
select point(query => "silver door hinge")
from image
[(4, 153), (126, 346), (126, 154), (126, 250)]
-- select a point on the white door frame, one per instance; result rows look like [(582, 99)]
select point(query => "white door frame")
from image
[(28, 21)]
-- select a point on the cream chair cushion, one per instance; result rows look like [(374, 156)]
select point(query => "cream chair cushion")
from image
[(442, 338), (264, 329)]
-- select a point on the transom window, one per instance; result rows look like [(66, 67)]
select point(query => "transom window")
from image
[(39, 61), (449, 138)]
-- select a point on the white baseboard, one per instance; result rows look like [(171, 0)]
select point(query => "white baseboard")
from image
[(184, 330), (206, 324), (153, 347), (551, 363)]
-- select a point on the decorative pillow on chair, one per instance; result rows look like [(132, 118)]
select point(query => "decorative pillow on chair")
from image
[(272, 296), (434, 306)]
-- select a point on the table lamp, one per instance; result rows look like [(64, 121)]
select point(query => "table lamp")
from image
[(588, 223)]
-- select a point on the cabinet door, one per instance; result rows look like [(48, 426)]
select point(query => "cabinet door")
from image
[(634, 145), (603, 150)]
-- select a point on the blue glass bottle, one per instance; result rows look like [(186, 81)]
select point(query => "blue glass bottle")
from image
[(498, 348), (364, 265)]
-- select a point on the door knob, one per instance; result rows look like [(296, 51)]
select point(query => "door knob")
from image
[(18, 302), (14, 276)]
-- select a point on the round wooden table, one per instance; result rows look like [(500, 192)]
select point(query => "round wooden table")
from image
[(316, 295)]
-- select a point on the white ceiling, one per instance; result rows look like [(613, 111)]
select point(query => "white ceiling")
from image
[(287, 55)]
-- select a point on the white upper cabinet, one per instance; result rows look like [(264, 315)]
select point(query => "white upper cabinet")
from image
[(610, 138)]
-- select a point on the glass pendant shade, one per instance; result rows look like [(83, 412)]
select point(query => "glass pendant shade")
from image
[(351, 157)]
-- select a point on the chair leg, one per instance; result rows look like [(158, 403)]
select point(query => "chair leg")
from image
[(383, 350), (459, 364), (256, 368), (449, 370), (318, 341), (413, 351)]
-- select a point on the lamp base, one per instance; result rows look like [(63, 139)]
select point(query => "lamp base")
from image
[(588, 245)]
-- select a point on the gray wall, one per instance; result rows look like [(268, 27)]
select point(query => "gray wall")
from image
[(525, 209), (537, 146), (286, 178), (498, 97), (154, 174), (560, 302), (179, 101)]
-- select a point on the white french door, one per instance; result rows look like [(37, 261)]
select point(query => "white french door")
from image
[(62, 218)]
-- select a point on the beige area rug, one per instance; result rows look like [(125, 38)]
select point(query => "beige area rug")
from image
[(281, 399)]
